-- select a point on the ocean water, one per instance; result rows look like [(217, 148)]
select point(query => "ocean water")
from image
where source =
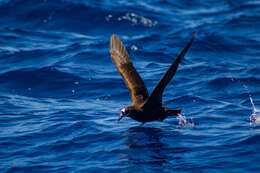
[(60, 94)]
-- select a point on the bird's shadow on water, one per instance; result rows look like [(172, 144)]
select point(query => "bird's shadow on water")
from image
[(148, 148)]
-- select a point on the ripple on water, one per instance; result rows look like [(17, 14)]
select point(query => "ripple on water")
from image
[(60, 94)]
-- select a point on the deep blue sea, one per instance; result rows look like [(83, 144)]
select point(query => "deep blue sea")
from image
[(60, 94)]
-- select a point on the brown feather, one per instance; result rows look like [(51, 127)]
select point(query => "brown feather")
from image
[(126, 69)]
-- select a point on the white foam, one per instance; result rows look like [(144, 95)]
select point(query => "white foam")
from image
[(138, 20), (255, 116), (183, 121)]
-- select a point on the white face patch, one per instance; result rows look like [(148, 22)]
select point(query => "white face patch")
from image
[(123, 110)]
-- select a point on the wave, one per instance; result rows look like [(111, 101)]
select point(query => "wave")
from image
[(60, 94), (225, 82), (38, 82), (51, 82), (68, 16)]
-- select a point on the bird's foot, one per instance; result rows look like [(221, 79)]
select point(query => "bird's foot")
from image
[(142, 124)]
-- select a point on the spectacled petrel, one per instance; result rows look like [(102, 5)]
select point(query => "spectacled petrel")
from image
[(144, 108)]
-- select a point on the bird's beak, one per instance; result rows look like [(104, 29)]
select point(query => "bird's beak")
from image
[(121, 116)]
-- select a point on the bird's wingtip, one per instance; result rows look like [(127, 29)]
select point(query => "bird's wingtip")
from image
[(113, 36), (114, 39), (194, 34)]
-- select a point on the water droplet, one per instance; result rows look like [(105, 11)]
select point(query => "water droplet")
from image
[(136, 20), (255, 116), (183, 121), (108, 17), (134, 48)]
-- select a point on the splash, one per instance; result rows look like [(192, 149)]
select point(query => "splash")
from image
[(137, 19), (184, 122), (255, 116)]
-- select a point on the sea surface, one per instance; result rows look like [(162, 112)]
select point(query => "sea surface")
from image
[(60, 94)]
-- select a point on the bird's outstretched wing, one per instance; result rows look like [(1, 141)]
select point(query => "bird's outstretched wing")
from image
[(125, 67), (156, 96)]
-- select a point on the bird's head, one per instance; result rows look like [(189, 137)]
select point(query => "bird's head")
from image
[(125, 112)]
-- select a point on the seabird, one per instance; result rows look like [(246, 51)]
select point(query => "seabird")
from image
[(144, 107)]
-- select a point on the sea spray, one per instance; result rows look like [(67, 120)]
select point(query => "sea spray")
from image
[(255, 115), (183, 121)]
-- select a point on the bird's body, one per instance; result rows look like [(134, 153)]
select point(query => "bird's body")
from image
[(147, 115), (144, 107), (156, 113)]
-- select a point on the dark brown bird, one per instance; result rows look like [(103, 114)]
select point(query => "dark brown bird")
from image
[(144, 108)]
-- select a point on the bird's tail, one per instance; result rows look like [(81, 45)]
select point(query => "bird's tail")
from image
[(172, 112)]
